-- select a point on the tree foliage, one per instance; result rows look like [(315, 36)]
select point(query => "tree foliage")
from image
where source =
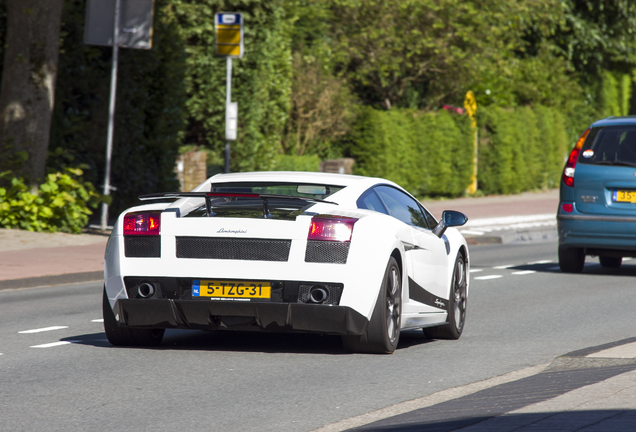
[(260, 81)]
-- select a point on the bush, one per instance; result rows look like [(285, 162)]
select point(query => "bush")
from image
[(520, 149), (297, 163), (62, 203), (427, 153)]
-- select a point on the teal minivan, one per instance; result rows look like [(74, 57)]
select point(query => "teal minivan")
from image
[(597, 208)]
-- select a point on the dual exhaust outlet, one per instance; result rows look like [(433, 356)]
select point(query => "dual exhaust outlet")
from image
[(146, 290), (318, 294)]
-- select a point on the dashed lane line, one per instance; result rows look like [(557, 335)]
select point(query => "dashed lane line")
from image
[(475, 270), (488, 277), (523, 272), (45, 329), (54, 344), (101, 320)]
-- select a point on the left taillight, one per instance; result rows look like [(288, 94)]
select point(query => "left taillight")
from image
[(568, 171), (331, 228), (142, 224)]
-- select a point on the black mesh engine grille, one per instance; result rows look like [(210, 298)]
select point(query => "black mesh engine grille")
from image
[(233, 248), (327, 252), (142, 246)]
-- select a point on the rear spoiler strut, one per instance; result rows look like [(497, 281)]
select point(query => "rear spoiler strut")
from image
[(209, 195)]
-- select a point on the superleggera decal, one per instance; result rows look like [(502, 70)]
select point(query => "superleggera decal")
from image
[(419, 294)]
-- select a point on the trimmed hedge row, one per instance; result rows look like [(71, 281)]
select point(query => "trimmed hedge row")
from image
[(521, 149), (431, 153)]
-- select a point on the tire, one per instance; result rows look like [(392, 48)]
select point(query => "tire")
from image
[(571, 260), (457, 301), (610, 262), (383, 330), (123, 336)]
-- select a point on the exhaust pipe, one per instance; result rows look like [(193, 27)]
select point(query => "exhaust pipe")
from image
[(146, 290), (318, 294)]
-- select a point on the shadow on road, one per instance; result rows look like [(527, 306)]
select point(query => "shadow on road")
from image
[(236, 341), (604, 420)]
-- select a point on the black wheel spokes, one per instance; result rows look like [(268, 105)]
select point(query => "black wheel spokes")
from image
[(393, 305), (459, 292)]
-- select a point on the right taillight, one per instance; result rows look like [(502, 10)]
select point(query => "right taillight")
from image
[(142, 223), (331, 228), (568, 171)]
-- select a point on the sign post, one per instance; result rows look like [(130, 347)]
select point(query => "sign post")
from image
[(117, 23), (470, 105), (228, 27)]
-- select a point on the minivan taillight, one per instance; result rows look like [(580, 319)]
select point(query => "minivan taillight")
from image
[(142, 223), (568, 171), (331, 228)]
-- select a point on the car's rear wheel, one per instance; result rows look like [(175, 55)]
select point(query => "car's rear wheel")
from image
[(571, 260), (383, 331), (456, 305), (610, 261), (122, 336)]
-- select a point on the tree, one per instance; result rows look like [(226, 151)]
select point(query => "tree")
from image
[(27, 93)]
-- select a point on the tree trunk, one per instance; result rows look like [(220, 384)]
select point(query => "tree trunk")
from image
[(28, 84)]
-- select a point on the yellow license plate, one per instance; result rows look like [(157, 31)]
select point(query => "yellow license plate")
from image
[(231, 289), (624, 196)]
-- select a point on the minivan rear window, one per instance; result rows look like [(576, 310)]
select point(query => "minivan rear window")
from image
[(610, 145)]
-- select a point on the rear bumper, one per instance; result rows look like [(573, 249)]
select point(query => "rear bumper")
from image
[(597, 232), (231, 315)]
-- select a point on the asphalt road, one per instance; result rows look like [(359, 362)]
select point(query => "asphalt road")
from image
[(522, 312)]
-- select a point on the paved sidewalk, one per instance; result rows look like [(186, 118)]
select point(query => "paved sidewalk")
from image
[(29, 259), (592, 390)]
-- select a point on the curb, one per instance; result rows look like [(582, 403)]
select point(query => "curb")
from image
[(51, 280), (515, 236)]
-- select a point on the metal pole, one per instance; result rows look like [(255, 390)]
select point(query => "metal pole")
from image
[(111, 113), (228, 99)]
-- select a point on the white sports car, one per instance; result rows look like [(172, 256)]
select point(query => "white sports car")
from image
[(286, 251)]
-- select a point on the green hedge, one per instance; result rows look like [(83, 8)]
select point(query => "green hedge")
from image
[(430, 154), (297, 163), (520, 149)]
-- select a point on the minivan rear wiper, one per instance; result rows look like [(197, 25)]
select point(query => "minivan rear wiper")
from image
[(618, 163)]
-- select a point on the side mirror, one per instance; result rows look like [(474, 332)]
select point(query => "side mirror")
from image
[(450, 218)]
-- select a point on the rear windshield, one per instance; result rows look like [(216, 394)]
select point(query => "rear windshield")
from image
[(278, 208), (610, 145)]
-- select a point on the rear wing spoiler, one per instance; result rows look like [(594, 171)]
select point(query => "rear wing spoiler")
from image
[(208, 196)]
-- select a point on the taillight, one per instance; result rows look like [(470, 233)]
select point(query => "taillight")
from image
[(331, 228), (568, 207), (142, 223), (568, 171)]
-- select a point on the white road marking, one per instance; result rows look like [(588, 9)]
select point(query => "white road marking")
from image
[(101, 320), (503, 267), (524, 272), (471, 232), (54, 344), (475, 270), (488, 277), (622, 351), (540, 262), (43, 329)]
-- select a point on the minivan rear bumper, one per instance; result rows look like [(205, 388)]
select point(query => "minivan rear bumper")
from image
[(597, 232)]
